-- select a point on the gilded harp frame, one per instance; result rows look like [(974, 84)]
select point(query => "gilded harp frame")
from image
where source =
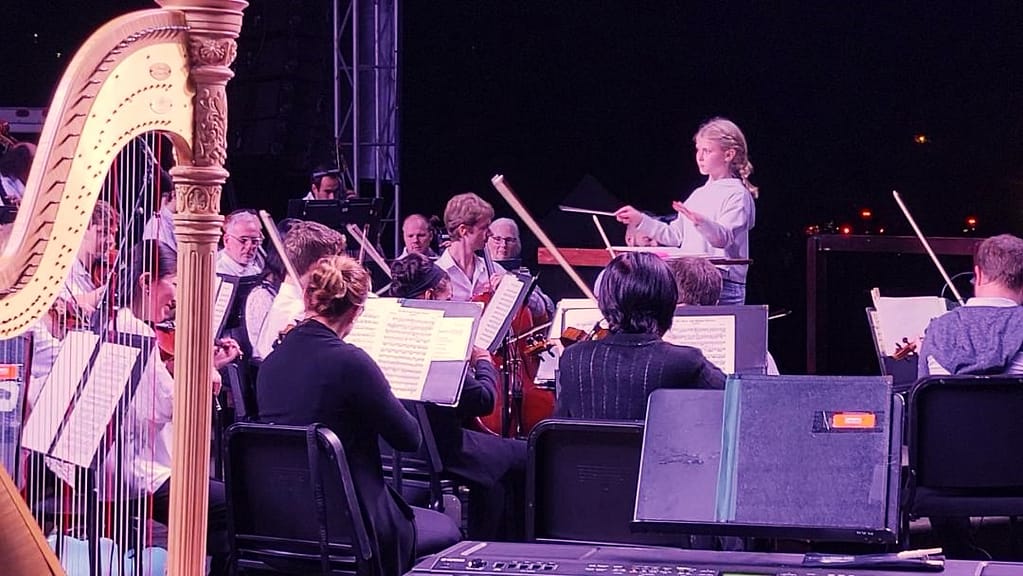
[(162, 70)]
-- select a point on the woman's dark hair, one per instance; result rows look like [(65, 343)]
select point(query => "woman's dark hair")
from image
[(148, 256), (637, 294), (413, 275)]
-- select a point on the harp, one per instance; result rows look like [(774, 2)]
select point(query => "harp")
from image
[(156, 71)]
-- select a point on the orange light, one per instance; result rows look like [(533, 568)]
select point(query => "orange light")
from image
[(866, 213), (853, 420), (921, 139), (971, 221), (846, 229)]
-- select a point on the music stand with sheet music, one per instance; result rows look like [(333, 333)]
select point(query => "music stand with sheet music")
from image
[(733, 338), (422, 348), (101, 378)]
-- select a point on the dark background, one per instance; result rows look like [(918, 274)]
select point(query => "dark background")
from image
[(829, 94)]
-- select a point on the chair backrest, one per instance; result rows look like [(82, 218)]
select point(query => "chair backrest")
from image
[(581, 478), (964, 433), (417, 476), (292, 505)]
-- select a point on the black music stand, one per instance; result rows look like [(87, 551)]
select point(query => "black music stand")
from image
[(338, 214)]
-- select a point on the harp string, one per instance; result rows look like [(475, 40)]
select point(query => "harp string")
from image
[(102, 514)]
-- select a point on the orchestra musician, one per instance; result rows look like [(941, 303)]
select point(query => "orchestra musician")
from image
[(315, 376), (304, 245), (505, 245), (325, 184), (160, 226), (79, 298), (146, 297), (610, 378), (418, 236), (717, 217), (14, 167), (243, 238), (467, 218), (493, 467)]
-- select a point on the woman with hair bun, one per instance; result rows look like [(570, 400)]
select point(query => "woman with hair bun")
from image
[(315, 376), (717, 217)]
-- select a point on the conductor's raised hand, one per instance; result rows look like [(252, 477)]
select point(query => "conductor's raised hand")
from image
[(628, 215), (694, 217)]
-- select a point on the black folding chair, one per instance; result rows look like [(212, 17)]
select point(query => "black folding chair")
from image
[(581, 478), (292, 506), (963, 434)]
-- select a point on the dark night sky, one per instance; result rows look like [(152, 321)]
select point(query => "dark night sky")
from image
[(829, 94)]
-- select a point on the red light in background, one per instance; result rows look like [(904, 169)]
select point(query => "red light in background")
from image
[(971, 221), (921, 139), (866, 214), (846, 229)]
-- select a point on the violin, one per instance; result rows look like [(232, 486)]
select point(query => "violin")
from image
[(165, 340)]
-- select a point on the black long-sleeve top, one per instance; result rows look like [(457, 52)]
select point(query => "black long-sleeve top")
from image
[(610, 379), (313, 376)]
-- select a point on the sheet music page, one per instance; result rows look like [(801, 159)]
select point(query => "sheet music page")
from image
[(713, 335), (63, 470), (404, 355), (369, 330), (450, 339), (498, 310), (566, 313), (224, 292), (58, 390), (95, 406), (903, 320)]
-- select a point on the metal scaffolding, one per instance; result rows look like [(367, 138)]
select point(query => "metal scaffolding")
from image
[(366, 99)]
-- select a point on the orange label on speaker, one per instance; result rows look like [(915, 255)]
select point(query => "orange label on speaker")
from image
[(853, 420)]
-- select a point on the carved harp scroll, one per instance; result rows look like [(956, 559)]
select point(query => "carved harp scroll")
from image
[(162, 70)]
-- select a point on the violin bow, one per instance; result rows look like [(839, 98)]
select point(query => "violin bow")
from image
[(516, 205), (275, 239), (927, 247), (365, 244)]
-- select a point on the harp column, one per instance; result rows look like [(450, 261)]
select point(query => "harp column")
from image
[(213, 29)]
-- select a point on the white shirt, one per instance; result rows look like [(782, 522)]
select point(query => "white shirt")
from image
[(288, 308), (161, 227), (227, 265), (730, 212), (464, 288), (14, 188), (147, 431), (1015, 365)]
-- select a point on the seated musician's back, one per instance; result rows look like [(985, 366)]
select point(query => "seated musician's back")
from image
[(985, 336), (315, 376), (611, 378)]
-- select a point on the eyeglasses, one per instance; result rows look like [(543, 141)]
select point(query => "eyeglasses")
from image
[(504, 239), (246, 240)]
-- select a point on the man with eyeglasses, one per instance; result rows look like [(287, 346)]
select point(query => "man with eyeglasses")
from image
[(506, 249), (243, 239)]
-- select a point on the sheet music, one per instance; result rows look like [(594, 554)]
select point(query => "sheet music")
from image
[(63, 470), (903, 320), (58, 390), (713, 335), (90, 415), (404, 355), (369, 330), (224, 293), (450, 338), (495, 315)]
